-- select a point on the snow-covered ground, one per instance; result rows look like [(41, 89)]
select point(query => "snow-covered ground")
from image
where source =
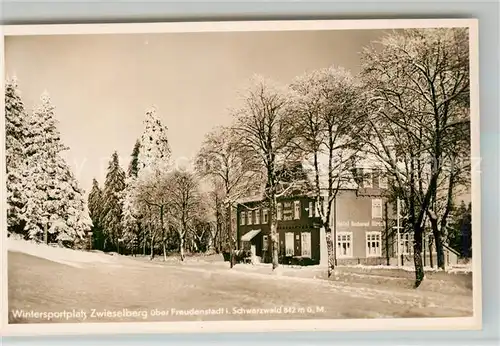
[(61, 255), (55, 279), (458, 268)]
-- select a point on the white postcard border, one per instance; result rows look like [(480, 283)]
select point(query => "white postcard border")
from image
[(461, 323)]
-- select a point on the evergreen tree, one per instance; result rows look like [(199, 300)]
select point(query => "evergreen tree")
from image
[(459, 231), (155, 150), (113, 204), (95, 210), (131, 213), (153, 162), (55, 208), (133, 167), (15, 123)]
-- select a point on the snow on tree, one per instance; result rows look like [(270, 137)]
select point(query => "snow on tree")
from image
[(328, 127), (185, 202), (55, 207), (153, 161), (131, 218), (222, 161), (265, 129), (416, 86), (154, 198), (15, 124), (133, 167), (95, 212), (112, 204), (154, 147)]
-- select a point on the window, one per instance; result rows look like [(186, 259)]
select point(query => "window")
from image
[(289, 244), (367, 178), (296, 210), (265, 216), (313, 209), (373, 248), (257, 216), (287, 211), (344, 244), (279, 210), (306, 244), (382, 181), (243, 216), (376, 208), (250, 217), (406, 244)]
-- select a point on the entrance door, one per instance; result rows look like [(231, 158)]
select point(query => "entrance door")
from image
[(253, 252)]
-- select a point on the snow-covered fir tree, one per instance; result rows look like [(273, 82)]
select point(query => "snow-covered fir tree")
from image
[(112, 204), (15, 123), (133, 167), (55, 208), (151, 157), (95, 210), (155, 149), (131, 209)]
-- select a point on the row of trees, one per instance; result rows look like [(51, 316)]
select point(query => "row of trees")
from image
[(148, 205), (406, 112), (44, 201), (152, 206)]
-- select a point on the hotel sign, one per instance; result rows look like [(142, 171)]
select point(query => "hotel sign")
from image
[(360, 224)]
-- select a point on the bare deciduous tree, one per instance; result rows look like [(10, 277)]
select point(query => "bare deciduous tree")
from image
[(417, 98), (328, 126), (264, 126), (154, 191), (222, 161), (185, 204)]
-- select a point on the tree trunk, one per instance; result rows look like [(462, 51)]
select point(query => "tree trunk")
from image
[(424, 249), (431, 260), (181, 247), (152, 255), (386, 220), (330, 249), (162, 223), (46, 233), (273, 223), (275, 245), (417, 249), (230, 236), (438, 242), (144, 245), (439, 246)]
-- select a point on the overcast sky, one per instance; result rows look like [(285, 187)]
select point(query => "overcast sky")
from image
[(101, 85)]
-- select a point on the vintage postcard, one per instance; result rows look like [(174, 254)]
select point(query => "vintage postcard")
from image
[(271, 175)]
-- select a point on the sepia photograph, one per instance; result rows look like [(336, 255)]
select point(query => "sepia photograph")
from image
[(313, 175)]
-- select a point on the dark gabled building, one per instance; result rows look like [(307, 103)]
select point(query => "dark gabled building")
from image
[(362, 224), (358, 212), (298, 229)]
